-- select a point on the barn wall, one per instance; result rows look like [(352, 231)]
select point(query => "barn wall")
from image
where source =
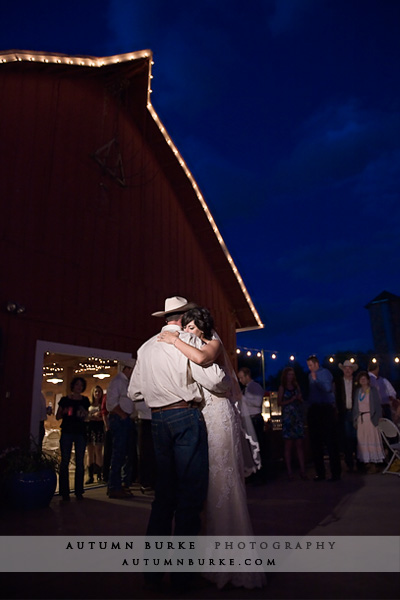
[(90, 259)]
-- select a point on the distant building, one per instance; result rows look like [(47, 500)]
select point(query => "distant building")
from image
[(384, 312)]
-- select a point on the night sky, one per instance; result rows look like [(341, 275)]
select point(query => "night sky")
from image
[(287, 113)]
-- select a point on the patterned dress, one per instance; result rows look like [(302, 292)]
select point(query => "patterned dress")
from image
[(292, 417)]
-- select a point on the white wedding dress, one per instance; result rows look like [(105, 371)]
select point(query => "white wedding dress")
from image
[(226, 505)]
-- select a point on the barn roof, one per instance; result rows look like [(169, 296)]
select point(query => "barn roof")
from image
[(176, 169)]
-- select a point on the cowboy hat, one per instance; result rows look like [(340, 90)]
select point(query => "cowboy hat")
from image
[(348, 363), (173, 305)]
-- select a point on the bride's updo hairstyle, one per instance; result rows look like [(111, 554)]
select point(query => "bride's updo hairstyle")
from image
[(202, 319)]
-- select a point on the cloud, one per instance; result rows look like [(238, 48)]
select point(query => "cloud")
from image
[(337, 143)]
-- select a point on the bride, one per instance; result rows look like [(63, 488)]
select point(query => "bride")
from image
[(226, 505)]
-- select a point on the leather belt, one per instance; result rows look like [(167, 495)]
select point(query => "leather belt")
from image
[(180, 404)]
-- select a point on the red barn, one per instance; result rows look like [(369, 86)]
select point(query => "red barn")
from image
[(101, 220)]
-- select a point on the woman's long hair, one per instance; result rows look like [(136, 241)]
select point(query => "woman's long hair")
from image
[(92, 398), (202, 319), (284, 377)]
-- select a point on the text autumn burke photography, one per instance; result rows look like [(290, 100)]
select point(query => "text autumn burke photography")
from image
[(201, 554)]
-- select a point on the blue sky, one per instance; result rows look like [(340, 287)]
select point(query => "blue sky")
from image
[(287, 113)]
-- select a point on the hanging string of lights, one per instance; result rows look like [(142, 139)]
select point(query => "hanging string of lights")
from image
[(273, 355)]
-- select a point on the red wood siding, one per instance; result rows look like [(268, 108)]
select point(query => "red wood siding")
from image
[(89, 259)]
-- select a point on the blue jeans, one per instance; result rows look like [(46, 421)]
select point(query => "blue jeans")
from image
[(66, 441), (123, 451), (181, 449)]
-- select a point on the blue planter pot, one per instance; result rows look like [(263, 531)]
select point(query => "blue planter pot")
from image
[(31, 490)]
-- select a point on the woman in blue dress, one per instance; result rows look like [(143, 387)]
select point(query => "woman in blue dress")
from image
[(290, 399)]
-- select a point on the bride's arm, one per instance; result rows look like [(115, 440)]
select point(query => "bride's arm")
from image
[(203, 356)]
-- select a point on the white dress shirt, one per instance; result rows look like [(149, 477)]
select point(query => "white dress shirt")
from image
[(391, 392), (163, 375), (117, 394), (253, 398), (348, 388)]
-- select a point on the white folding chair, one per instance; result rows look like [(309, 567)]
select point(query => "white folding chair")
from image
[(389, 432)]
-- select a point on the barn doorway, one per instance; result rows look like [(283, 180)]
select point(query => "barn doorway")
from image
[(55, 366)]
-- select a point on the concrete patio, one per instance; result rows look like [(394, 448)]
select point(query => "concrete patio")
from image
[(358, 505)]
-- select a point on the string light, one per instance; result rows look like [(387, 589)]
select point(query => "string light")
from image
[(260, 353), (84, 61)]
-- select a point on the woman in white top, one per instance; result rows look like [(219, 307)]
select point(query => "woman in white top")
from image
[(367, 411)]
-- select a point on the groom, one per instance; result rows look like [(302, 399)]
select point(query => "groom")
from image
[(171, 386)]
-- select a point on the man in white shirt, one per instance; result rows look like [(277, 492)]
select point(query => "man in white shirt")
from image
[(123, 431), (172, 388), (384, 391), (253, 396)]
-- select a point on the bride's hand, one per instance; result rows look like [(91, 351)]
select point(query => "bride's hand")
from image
[(169, 337)]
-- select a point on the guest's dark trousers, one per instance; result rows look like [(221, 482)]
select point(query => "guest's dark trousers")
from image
[(349, 433), (107, 452), (123, 446), (147, 458), (66, 442), (323, 431)]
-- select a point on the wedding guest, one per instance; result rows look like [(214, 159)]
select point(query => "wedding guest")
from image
[(322, 420), (291, 401), (367, 411), (73, 410), (123, 431), (379, 382), (253, 396), (345, 388), (107, 449), (95, 433)]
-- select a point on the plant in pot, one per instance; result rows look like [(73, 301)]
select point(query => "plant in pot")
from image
[(27, 477)]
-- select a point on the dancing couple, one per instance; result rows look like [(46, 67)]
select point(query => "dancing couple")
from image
[(199, 453)]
